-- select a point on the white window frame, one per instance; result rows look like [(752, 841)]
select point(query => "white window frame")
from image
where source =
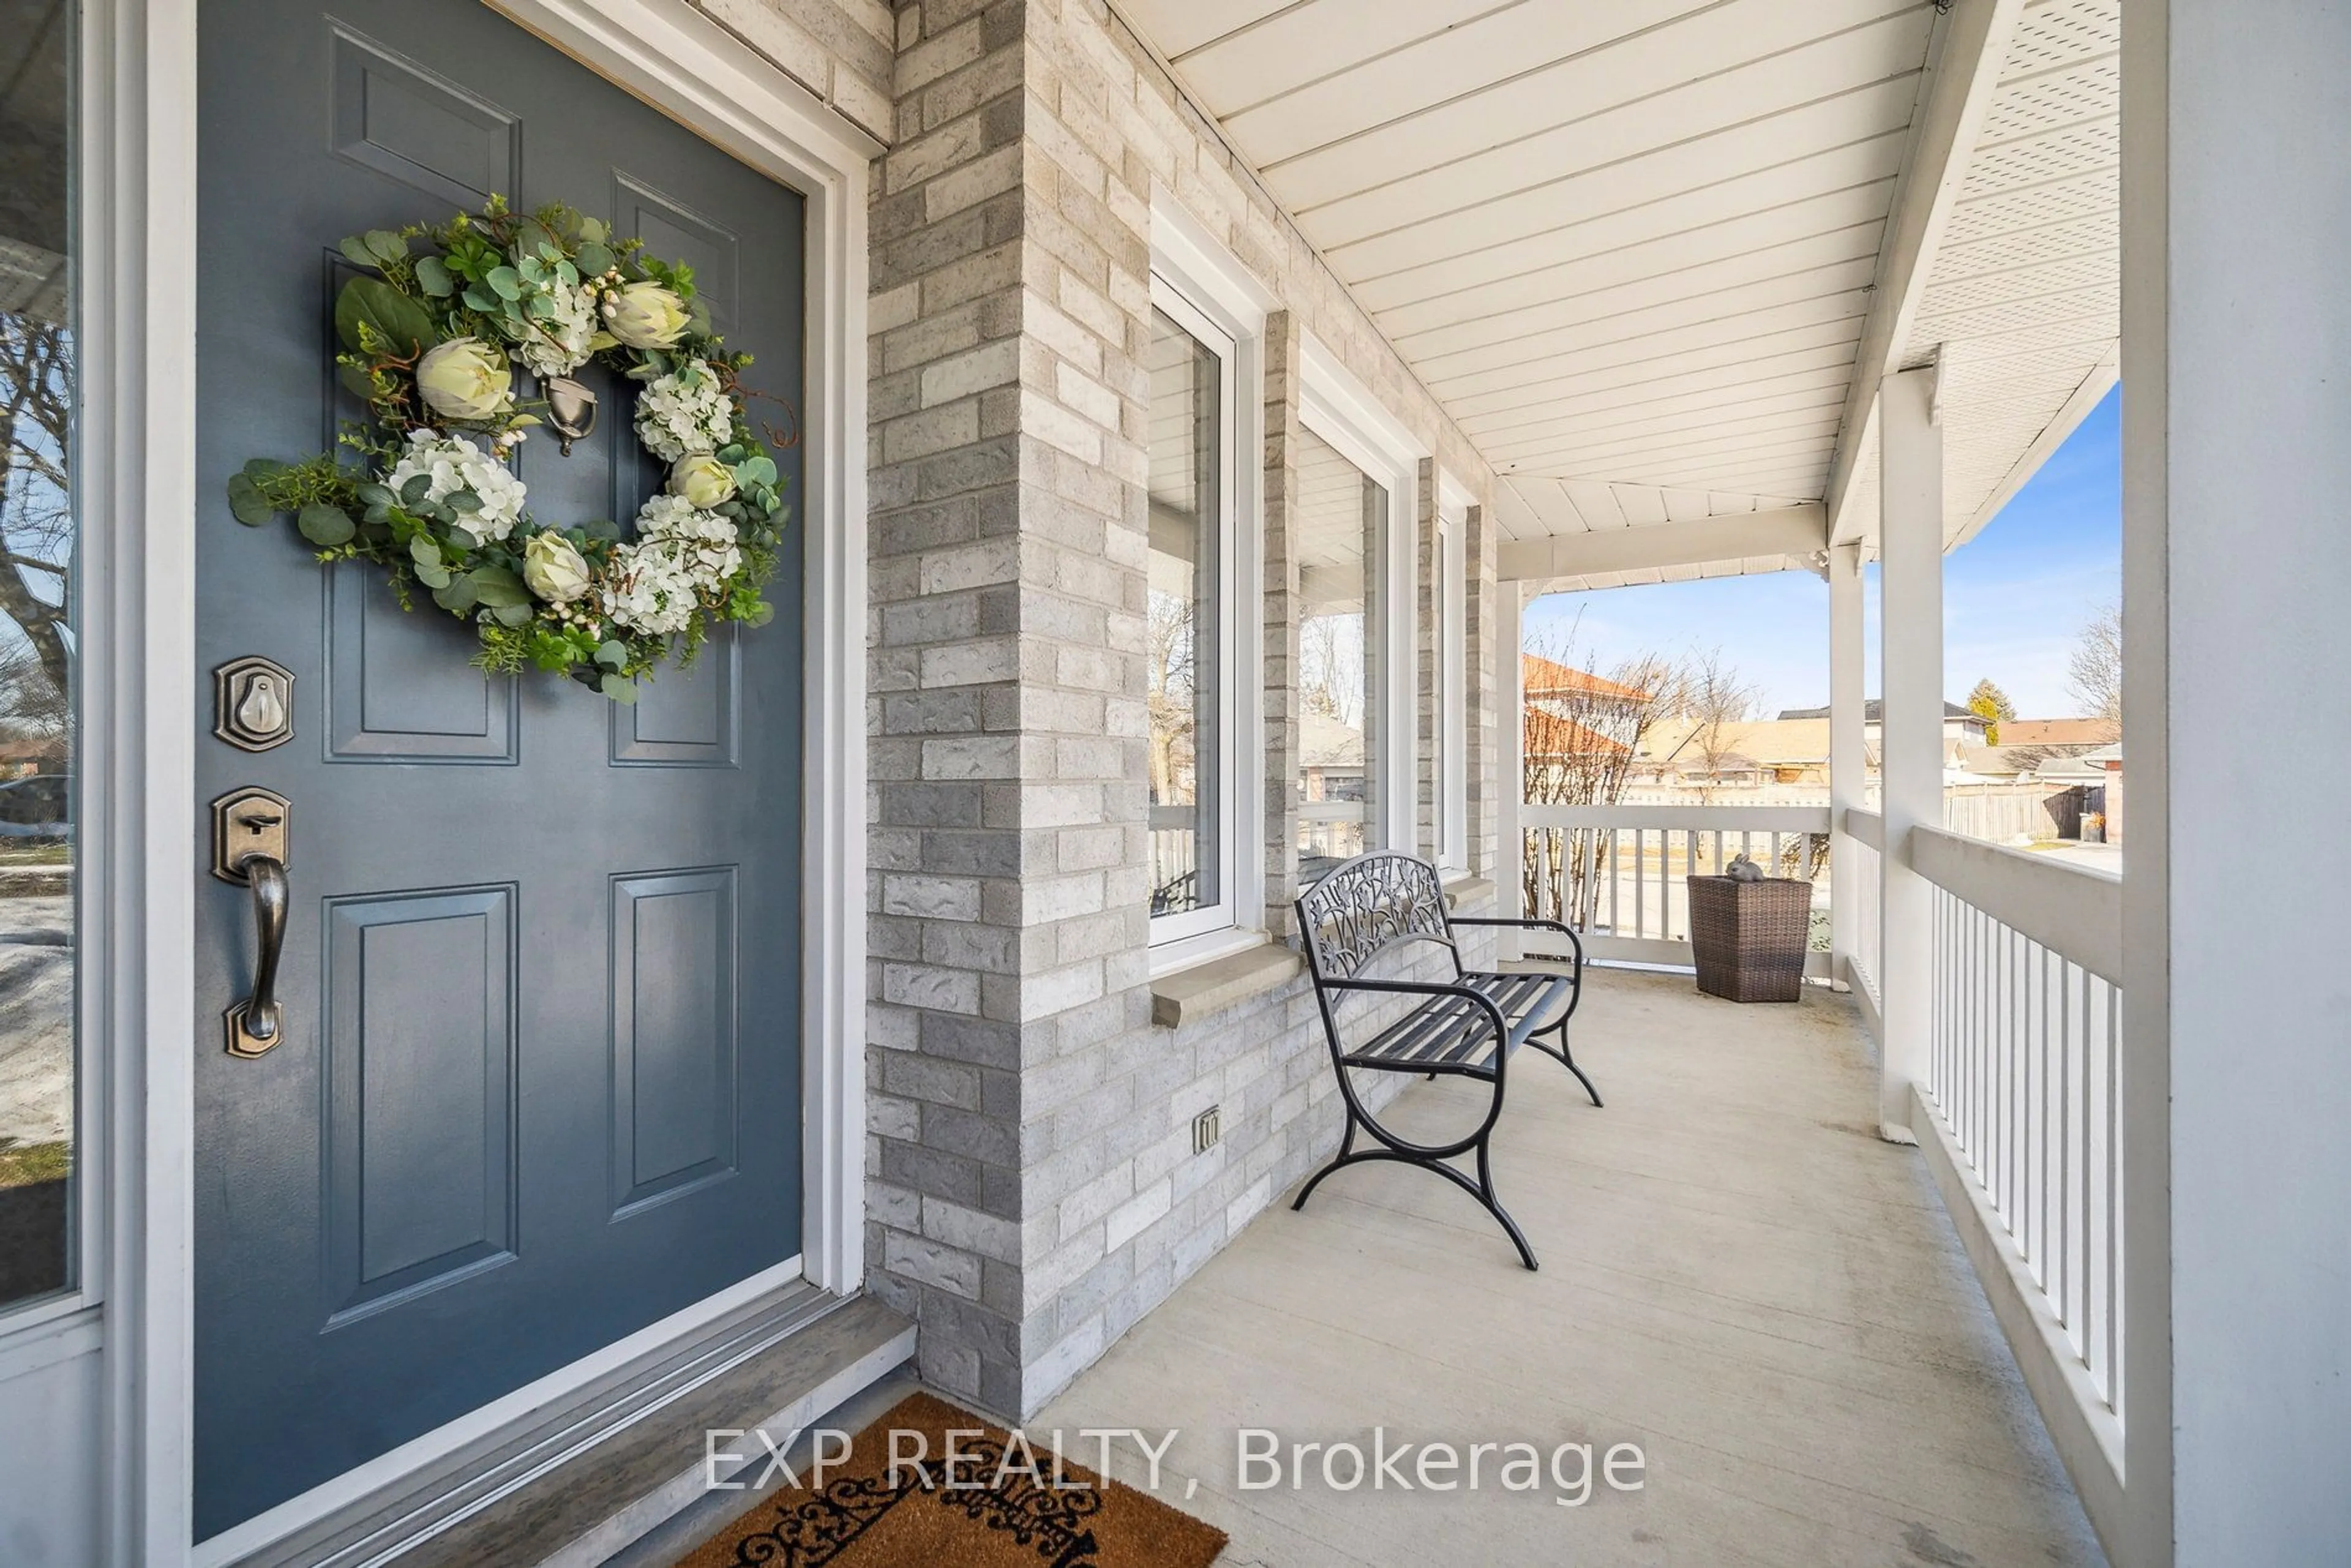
[(1338, 408), (1222, 915), (1451, 723), (1205, 289)]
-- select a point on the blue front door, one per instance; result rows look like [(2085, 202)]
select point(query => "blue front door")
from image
[(539, 1084)]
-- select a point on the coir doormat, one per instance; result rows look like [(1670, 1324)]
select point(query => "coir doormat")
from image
[(1010, 1506)]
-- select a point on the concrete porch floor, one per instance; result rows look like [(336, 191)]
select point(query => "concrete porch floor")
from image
[(1736, 1275)]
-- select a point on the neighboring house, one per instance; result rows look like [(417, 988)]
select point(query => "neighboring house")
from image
[(1961, 727), (1550, 684), (2058, 734), (1568, 737), (25, 754), (1330, 756), (2108, 760), (2000, 762), (1566, 707), (1577, 731), (1768, 751), (1730, 769)]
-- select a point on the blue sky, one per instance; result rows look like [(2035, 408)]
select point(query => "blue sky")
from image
[(2013, 597)]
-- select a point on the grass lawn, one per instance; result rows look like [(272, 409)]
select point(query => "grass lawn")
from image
[(25, 1164)]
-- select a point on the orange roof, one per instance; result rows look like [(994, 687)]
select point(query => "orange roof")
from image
[(1565, 738), (1543, 677)]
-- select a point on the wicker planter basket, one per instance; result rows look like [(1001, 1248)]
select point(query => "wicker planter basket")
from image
[(1751, 936)]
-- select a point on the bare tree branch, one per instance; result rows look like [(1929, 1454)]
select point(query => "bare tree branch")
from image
[(36, 521), (2095, 672), (1583, 733)]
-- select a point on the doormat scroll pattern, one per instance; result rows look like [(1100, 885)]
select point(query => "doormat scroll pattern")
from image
[(1000, 1516)]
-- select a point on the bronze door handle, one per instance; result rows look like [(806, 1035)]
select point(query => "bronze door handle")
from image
[(256, 1023)]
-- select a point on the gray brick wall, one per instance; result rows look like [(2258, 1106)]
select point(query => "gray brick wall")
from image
[(844, 51), (1281, 617), (1034, 1188), (1481, 669), (950, 866), (1427, 666)]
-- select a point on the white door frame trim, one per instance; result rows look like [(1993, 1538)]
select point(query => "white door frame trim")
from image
[(139, 319)]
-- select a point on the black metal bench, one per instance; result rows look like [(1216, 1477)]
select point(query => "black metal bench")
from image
[(1468, 1026)]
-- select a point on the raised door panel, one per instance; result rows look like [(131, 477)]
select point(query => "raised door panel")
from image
[(420, 1089), (674, 1013), (675, 231), (395, 117), (685, 717), (399, 689)]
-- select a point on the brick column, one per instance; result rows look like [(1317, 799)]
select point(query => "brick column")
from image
[(1035, 1189), (1280, 620), (944, 1085)]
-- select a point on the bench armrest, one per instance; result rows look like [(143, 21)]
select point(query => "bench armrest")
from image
[(1540, 924), (1436, 989)]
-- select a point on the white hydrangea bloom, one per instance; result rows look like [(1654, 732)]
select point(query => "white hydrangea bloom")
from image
[(560, 345), (649, 587), (452, 464), (706, 541), (685, 411)]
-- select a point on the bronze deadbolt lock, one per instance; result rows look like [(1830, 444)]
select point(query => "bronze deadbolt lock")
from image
[(253, 703)]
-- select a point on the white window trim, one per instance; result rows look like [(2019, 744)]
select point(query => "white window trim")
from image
[(1211, 295), (1221, 915), (1452, 637), (1337, 407)]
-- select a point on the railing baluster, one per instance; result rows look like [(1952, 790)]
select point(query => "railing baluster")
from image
[(2095, 1168), (2069, 1231), (2112, 1380), (1640, 882), (1976, 1055), (2012, 1018)]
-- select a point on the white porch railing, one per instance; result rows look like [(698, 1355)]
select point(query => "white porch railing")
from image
[(1615, 873), (2021, 1112)]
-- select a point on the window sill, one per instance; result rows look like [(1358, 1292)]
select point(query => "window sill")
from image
[(1189, 952), (1211, 986), (1465, 894)]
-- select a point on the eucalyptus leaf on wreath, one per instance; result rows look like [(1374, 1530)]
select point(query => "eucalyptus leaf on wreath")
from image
[(325, 526), (246, 503), (397, 320)]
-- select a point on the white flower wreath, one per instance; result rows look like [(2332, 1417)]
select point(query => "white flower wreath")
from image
[(431, 342)]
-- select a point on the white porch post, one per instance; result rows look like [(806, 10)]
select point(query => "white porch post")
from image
[(2237, 314), (1509, 763), (1911, 750), (1847, 761)]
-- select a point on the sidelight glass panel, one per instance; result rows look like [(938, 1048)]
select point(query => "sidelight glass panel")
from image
[(1342, 529), (1185, 633), (36, 650)]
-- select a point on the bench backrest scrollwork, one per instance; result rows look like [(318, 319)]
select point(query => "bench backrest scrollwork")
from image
[(1367, 905)]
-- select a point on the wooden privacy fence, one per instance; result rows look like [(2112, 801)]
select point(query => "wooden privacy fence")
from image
[(2002, 813)]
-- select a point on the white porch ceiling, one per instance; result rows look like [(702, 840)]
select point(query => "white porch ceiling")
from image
[(1633, 247), (2024, 298)]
